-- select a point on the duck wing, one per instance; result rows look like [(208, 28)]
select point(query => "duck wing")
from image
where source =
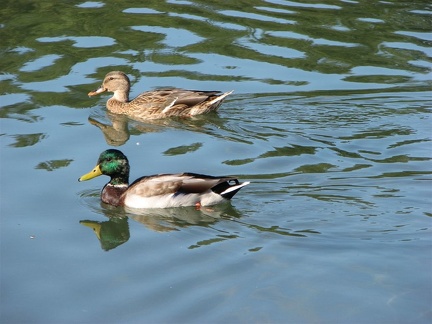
[(191, 98), (163, 100), (183, 189), (165, 184), (156, 185)]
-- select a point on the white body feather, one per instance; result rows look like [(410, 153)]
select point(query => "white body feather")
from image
[(208, 198)]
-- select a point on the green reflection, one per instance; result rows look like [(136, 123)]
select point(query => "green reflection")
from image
[(110, 233), (183, 149), (25, 140), (53, 164)]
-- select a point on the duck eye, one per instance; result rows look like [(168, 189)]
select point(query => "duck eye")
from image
[(111, 78)]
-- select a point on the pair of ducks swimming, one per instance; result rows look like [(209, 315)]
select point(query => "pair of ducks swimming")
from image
[(163, 190)]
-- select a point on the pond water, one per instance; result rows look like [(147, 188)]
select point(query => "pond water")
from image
[(330, 120)]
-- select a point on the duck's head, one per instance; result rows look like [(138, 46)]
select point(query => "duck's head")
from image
[(112, 163), (115, 81)]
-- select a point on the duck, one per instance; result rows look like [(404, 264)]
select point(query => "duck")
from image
[(161, 190), (157, 104)]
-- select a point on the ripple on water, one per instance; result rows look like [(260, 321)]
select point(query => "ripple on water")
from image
[(330, 121)]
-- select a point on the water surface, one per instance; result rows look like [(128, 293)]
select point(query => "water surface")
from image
[(330, 121)]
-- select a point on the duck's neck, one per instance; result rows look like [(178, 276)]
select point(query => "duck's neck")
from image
[(113, 190), (121, 178), (121, 95), (118, 102), (112, 194)]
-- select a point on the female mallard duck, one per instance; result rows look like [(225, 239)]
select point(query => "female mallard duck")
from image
[(159, 191), (158, 103)]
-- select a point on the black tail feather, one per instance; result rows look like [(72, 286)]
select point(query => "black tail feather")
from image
[(229, 188)]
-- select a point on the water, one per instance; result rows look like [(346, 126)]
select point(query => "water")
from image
[(330, 121)]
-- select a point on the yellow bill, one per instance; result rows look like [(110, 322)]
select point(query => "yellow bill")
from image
[(95, 226), (96, 172)]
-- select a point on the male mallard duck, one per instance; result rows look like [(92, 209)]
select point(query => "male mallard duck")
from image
[(159, 191), (158, 103)]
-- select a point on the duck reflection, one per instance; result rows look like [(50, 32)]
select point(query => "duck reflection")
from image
[(110, 233), (169, 219), (120, 127), (115, 134), (115, 231)]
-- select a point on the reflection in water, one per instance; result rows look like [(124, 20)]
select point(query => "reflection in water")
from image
[(23, 140), (110, 233), (118, 132), (168, 219), (117, 128), (115, 231), (283, 46), (115, 134), (53, 164)]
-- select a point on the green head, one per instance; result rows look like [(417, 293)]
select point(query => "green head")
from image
[(112, 163)]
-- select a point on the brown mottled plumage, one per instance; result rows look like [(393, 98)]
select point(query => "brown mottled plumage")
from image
[(157, 103)]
